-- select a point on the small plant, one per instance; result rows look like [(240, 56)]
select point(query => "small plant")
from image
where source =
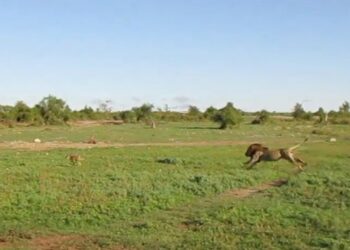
[(174, 161)]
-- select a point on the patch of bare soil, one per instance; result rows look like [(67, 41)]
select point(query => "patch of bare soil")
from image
[(4, 244), (83, 145), (90, 123), (70, 242), (246, 192)]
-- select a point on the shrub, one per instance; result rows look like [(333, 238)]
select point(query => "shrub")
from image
[(21, 112), (210, 112), (53, 110), (228, 116), (194, 113), (322, 116), (262, 117), (128, 116), (298, 111)]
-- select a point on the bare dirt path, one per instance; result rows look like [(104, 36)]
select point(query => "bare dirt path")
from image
[(82, 145)]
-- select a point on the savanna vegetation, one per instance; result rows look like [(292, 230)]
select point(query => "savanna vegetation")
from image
[(55, 111), (177, 186)]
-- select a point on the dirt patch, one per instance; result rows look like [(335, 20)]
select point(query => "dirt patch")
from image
[(83, 145), (91, 123), (4, 244), (57, 242), (246, 192)]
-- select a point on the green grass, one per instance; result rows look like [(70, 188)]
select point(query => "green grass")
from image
[(129, 196), (175, 132)]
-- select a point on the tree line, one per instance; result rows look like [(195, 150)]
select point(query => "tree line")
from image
[(54, 111)]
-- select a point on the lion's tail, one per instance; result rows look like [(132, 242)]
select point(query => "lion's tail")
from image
[(298, 145)]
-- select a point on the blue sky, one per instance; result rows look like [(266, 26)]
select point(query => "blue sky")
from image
[(255, 53)]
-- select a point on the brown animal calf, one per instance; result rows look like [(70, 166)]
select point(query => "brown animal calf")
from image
[(75, 159), (257, 153), (92, 140)]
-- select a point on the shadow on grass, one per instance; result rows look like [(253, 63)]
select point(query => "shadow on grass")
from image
[(215, 128)]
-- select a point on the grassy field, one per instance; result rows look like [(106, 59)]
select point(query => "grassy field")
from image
[(176, 196)]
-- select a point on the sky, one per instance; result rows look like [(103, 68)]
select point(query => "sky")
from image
[(258, 54)]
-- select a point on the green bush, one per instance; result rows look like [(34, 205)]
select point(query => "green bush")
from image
[(262, 117), (228, 116), (21, 112), (128, 116), (298, 111), (210, 112), (194, 113), (53, 110)]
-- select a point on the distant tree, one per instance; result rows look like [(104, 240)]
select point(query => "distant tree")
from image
[(210, 112), (166, 108), (228, 116), (298, 112), (322, 116), (194, 113), (105, 106), (342, 116), (261, 117), (128, 116), (37, 117), (21, 112), (116, 116), (143, 112), (5, 112), (307, 116), (87, 112), (53, 110), (332, 113), (344, 108)]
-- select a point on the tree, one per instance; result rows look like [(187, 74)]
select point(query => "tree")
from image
[(87, 112), (210, 112), (128, 116), (21, 112), (5, 112), (194, 112), (322, 116), (144, 113), (344, 108), (228, 116), (53, 110), (298, 112), (166, 108), (105, 106), (262, 117)]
